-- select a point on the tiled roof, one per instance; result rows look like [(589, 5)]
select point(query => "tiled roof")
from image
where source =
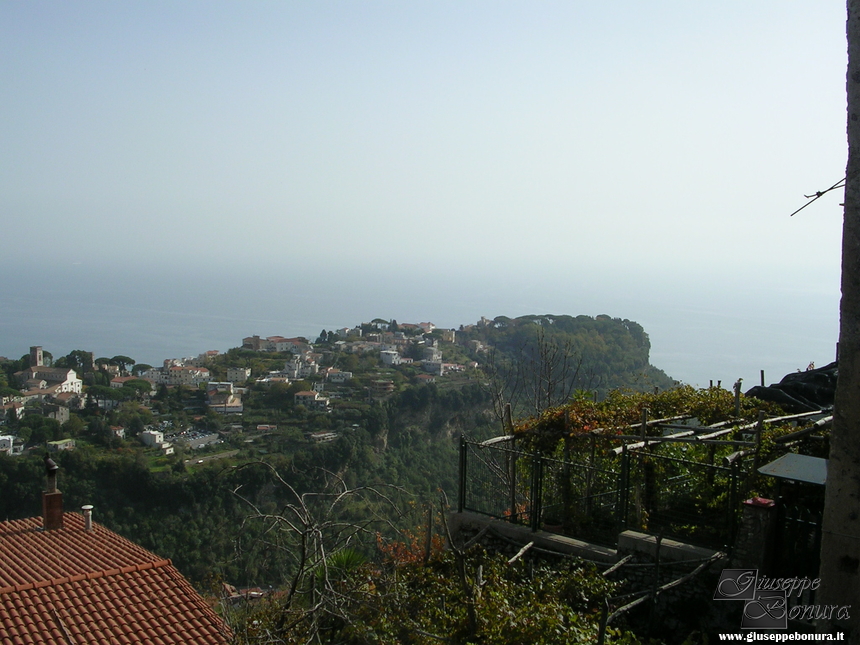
[(73, 586)]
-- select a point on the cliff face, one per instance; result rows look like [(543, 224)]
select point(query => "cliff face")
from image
[(550, 356)]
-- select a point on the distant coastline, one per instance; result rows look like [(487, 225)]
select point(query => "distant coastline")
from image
[(152, 319)]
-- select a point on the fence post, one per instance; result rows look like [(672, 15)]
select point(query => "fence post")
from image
[(565, 473), (759, 431), (536, 493), (461, 492), (623, 490), (733, 503), (656, 584), (712, 452), (590, 477), (511, 460)]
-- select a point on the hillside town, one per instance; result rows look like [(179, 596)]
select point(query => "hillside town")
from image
[(222, 382)]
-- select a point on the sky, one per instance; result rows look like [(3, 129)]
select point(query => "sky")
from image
[(309, 163)]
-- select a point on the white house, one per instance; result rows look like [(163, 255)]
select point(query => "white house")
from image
[(312, 400), (294, 345), (299, 368), (203, 359), (11, 411), (178, 375), (152, 437), (187, 375), (336, 376), (389, 357), (276, 344), (238, 374), (434, 367), (222, 398), (432, 354), (347, 331)]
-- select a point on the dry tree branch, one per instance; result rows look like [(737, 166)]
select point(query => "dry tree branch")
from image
[(819, 193), (310, 528)]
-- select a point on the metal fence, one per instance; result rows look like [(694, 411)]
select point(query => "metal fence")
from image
[(696, 502), (595, 500), (798, 541), (496, 480)]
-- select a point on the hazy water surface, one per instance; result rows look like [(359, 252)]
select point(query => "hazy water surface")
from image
[(719, 334)]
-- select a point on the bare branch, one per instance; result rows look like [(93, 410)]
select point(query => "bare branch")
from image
[(819, 193), (310, 528)]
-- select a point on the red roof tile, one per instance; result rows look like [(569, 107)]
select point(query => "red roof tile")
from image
[(75, 586)]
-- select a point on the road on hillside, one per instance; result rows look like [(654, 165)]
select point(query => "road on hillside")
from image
[(220, 455)]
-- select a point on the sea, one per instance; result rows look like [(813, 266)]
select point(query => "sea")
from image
[(726, 331)]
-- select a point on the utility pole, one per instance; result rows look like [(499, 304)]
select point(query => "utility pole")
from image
[(840, 540)]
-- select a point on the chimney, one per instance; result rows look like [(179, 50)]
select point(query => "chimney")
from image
[(52, 499), (88, 516)]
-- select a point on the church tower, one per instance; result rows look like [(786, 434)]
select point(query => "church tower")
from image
[(36, 358)]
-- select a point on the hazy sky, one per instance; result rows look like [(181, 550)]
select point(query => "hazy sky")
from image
[(623, 146)]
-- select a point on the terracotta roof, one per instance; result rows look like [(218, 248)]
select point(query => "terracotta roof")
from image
[(75, 586)]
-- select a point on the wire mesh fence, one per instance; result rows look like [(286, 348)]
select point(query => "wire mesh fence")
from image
[(798, 542), (580, 499), (688, 500), (496, 481), (595, 499)]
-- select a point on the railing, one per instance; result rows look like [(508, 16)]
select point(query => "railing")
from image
[(798, 541), (496, 481), (595, 500), (693, 501)]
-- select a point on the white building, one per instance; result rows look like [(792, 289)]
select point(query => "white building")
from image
[(301, 368), (152, 437), (187, 376), (55, 379), (433, 367), (322, 437), (312, 400), (347, 331), (389, 357), (222, 398), (432, 354), (178, 375), (336, 376), (238, 374), (203, 359), (276, 344)]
